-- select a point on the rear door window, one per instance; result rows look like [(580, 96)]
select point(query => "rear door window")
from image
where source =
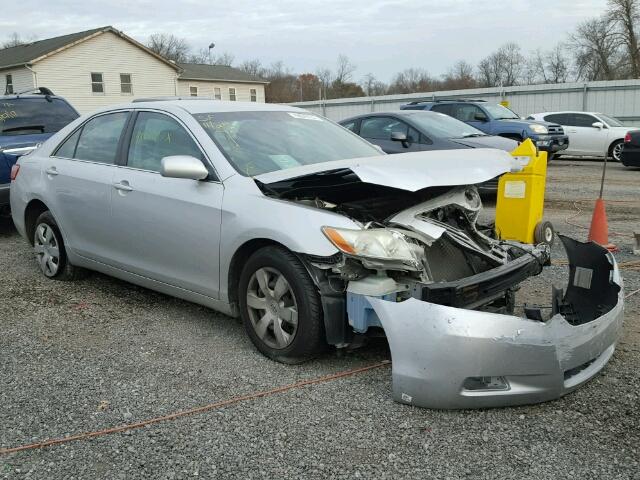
[(99, 138), (581, 120), (28, 116), (446, 108), (381, 128)]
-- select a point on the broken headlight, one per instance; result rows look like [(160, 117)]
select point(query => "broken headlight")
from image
[(375, 243)]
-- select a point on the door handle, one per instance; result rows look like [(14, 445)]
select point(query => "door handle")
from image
[(123, 186), (51, 171)]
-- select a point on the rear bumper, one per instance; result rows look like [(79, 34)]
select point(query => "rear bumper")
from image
[(446, 357), (630, 157)]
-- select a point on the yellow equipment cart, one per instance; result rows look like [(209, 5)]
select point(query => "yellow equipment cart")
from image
[(520, 202)]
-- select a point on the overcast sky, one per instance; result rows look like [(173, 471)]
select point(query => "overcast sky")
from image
[(379, 36)]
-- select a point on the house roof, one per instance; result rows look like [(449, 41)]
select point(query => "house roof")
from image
[(202, 71), (32, 52)]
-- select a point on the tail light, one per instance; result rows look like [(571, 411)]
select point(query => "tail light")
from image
[(627, 138), (14, 171)]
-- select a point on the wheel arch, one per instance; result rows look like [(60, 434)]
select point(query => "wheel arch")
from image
[(613, 142), (31, 213), (237, 262)]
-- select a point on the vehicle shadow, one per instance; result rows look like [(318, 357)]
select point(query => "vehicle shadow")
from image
[(7, 229)]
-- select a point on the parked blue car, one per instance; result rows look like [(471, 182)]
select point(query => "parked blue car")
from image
[(26, 120), (495, 119)]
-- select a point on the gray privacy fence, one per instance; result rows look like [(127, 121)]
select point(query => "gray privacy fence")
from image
[(620, 98)]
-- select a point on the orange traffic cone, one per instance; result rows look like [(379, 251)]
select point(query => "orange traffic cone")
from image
[(599, 231)]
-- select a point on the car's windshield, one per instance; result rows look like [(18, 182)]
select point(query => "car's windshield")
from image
[(498, 112), (25, 116), (261, 142), (439, 125), (611, 121)]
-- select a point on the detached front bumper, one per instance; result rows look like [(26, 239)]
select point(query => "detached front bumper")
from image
[(446, 357)]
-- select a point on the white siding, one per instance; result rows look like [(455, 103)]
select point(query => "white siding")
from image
[(22, 79), (205, 89), (68, 73)]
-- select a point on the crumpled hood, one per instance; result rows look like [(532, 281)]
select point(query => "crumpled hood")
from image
[(412, 171)]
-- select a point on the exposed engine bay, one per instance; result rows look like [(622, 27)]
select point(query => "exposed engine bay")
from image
[(425, 244)]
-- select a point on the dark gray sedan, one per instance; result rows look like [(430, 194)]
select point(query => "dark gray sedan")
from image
[(415, 131)]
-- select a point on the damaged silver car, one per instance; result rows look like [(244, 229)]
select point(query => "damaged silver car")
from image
[(315, 238)]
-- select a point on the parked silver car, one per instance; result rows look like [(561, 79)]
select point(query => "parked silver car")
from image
[(315, 237)]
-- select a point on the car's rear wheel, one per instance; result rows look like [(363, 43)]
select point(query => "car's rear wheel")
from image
[(280, 306), (49, 250), (615, 150)]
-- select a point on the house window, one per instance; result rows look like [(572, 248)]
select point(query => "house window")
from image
[(97, 83), (232, 94), (217, 93), (254, 94), (125, 84), (9, 88), (193, 91)]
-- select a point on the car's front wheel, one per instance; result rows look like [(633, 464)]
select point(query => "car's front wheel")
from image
[(49, 250), (280, 306)]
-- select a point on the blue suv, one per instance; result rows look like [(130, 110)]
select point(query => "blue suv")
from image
[(494, 119), (26, 120)]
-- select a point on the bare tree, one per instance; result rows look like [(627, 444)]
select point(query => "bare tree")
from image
[(626, 15), (596, 50), (252, 67), (325, 76), (344, 69), (203, 56), (459, 76), (504, 67), (169, 46), (372, 86), (553, 66), (15, 40), (412, 80)]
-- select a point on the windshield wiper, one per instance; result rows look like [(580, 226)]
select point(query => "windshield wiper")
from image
[(24, 127), (469, 135)]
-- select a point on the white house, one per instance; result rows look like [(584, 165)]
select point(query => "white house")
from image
[(104, 66)]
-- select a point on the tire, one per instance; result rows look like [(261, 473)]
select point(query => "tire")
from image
[(615, 150), (544, 233), (274, 287), (49, 249)]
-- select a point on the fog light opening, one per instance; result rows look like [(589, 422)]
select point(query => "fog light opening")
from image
[(475, 384)]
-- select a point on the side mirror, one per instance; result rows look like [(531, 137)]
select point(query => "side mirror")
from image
[(400, 137), (183, 166), (598, 125), (480, 117)]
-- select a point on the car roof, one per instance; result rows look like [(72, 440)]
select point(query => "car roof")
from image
[(201, 105), (568, 111), (395, 113)]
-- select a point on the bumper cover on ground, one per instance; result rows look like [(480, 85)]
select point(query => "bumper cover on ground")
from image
[(438, 351)]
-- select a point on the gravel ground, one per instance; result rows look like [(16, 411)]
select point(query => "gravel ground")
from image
[(97, 353)]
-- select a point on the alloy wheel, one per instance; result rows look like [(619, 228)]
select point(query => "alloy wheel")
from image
[(617, 151), (47, 250), (272, 307)]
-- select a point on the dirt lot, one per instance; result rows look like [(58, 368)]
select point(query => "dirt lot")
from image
[(98, 353)]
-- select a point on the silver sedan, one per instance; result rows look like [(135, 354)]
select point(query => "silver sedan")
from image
[(316, 238)]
